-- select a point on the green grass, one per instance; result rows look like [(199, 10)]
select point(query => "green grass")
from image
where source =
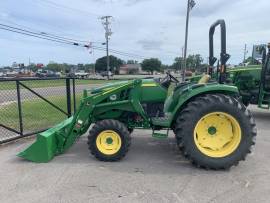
[(11, 85), (37, 114)]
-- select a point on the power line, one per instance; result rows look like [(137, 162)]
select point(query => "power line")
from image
[(45, 34), (69, 39), (126, 52), (66, 38), (35, 30), (57, 37), (43, 37), (118, 53), (61, 40)]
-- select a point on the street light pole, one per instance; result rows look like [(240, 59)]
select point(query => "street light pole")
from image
[(245, 53), (107, 53), (190, 5)]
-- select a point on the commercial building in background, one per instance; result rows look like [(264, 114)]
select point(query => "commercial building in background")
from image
[(130, 69)]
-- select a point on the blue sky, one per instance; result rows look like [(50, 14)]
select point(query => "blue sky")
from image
[(151, 28)]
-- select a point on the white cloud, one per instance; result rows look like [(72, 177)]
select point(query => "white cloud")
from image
[(152, 28)]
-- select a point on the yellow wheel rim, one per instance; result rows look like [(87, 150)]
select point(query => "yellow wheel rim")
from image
[(217, 134), (108, 142)]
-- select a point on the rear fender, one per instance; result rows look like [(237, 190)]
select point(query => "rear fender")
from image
[(185, 95)]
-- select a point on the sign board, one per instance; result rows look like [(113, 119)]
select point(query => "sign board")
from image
[(40, 65), (257, 51)]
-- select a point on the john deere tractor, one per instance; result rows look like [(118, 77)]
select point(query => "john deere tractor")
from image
[(212, 127), (253, 83)]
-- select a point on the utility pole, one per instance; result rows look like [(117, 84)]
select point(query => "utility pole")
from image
[(245, 52), (190, 5), (181, 60), (106, 22)]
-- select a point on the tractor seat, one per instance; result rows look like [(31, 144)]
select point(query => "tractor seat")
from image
[(204, 79), (170, 102)]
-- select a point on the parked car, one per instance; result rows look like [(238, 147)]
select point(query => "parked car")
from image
[(2, 74), (47, 73), (81, 74), (105, 74)]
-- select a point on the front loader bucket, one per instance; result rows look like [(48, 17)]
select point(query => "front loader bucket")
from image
[(47, 144)]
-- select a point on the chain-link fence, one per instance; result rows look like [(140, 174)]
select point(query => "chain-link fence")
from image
[(29, 106)]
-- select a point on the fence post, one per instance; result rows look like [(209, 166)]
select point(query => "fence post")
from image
[(68, 97), (19, 106), (74, 94)]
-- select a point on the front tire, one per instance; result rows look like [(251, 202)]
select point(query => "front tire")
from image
[(109, 140), (215, 131)]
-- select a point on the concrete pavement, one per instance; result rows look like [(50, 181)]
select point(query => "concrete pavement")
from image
[(153, 171)]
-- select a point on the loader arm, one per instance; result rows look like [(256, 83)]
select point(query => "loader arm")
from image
[(58, 139), (84, 116)]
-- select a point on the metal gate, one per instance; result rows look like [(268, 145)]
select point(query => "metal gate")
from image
[(30, 106)]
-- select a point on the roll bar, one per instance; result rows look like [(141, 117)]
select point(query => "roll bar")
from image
[(223, 55), (265, 60)]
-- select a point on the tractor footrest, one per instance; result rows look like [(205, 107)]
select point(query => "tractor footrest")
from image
[(159, 135), (264, 106), (161, 121)]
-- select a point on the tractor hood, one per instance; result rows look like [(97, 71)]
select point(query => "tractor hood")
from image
[(108, 86)]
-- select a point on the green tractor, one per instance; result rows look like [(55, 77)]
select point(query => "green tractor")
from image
[(212, 127), (254, 83)]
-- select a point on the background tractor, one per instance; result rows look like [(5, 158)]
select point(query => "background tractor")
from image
[(212, 127), (254, 83)]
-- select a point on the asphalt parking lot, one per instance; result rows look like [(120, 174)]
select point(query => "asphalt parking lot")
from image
[(153, 171)]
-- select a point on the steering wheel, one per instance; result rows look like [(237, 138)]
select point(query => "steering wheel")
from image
[(172, 78), (165, 82)]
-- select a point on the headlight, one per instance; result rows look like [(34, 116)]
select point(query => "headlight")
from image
[(113, 97)]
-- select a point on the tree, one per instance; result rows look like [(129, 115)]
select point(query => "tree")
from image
[(54, 67), (58, 67), (115, 63), (132, 62), (80, 66), (151, 65), (198, 61), (194, 62), (33, 67), (178, 63), (202, 69), (165, 68), (89, 67)]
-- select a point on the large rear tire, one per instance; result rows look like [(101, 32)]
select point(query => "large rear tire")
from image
[(109, 140), (215, 131)]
